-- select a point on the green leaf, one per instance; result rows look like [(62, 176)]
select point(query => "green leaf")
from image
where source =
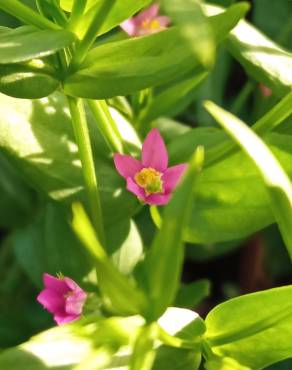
[(246, 328), (49, 245), (38, 138), (67, 346), (275, 178), (224, 363), (189, 295), (194, 28), (122, 67), (164, 261), (262, 58), (25, 82), (26, 43)]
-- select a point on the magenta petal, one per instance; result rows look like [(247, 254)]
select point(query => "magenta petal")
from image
[(65, 319), (129, 26), (127, 166), (75, 303), (158, 199), (51, 300), (154, 153), (147, 14), (134, 188), (56, 284), (172, 176), (163, 21)]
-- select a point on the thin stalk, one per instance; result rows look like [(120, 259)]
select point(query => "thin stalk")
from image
[(267, 123), (76, 13), (92, 31), (27, 15), (85, 150), (106, 125), (242, 97)]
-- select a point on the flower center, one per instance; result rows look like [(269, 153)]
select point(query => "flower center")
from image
[(150, 180), (151, 25)]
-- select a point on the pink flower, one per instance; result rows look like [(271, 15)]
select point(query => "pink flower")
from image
[(150, 180), (63, 298), (266, 91), (147, 22)]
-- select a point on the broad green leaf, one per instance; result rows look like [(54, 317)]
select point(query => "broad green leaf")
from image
[(224, 363), (194, 28), (262, 58), (27, 82), (122, 67), (26, 43), (190, 295), (38, 138), (164, 261), (275, 178), (68, 4), (49, 245), (68, 346), (248, 327)]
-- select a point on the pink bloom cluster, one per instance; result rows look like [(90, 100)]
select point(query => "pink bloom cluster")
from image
[(63, 298), (146, 22), (150, 179)]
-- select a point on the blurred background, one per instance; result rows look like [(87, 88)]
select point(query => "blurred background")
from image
[(31, 226)]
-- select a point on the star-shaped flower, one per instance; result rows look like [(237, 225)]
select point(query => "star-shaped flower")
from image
[(150, 179), (147, 22), (63, 298)]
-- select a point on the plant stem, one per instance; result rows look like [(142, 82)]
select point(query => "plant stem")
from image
[(84, 145), (92, 31), (76, 13), (26, 14), (106, 125)]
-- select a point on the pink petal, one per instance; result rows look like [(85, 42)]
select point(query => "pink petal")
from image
[(65, 319), (134, 188), (149, 13), (75, 303), (163, 21), (51, 300), (56, 284), (72, 285), (172, 176), (158, 199), (129, 26), (127, 166), (154, 153)]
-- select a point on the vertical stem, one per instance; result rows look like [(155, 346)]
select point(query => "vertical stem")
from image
[(83, 141), (76, 13), (92, 31), (106, 125)]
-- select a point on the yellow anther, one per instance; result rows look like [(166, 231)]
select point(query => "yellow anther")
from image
[(150, 180)]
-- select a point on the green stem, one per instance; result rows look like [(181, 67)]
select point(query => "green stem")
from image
[(92, 31), (76, 13), (106, 125), (242, 97), (26, 14), (267, 123), (84, 145)]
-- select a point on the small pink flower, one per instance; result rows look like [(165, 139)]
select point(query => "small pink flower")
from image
[(63, 298), (266, 91), (150, 180), (147, 22)]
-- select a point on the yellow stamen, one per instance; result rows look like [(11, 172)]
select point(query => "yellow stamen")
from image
[(150, 180)]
